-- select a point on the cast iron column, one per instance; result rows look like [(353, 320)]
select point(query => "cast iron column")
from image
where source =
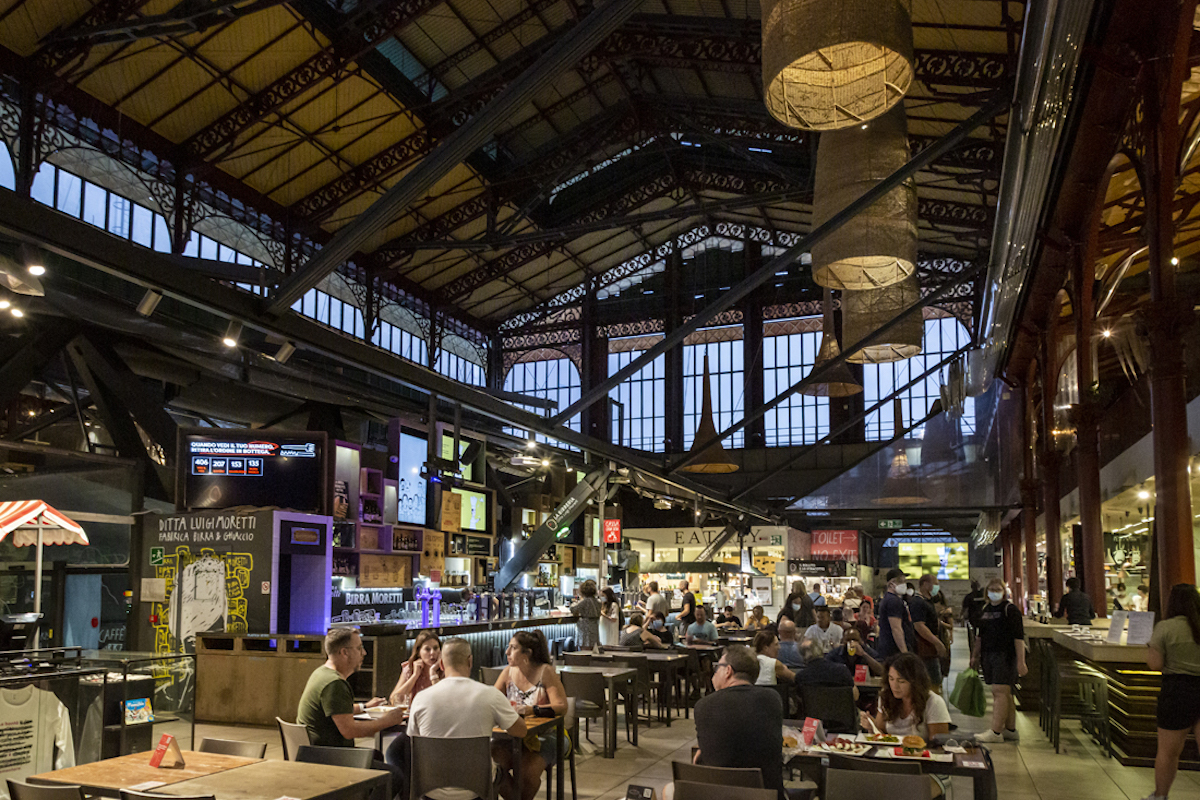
[(1087, 421), (1166, 317), (673, 358), (752, 348), (1049, 463)]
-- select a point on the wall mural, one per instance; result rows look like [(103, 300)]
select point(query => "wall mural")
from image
[(206, 591)]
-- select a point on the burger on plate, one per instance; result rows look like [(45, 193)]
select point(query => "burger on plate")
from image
[(912, 746)]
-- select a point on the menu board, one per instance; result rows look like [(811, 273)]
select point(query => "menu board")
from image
[(451, 512), (384, 571), (233, 468), (479, 546), (1141, 627)]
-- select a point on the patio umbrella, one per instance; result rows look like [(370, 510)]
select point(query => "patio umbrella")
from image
[(36, 522)]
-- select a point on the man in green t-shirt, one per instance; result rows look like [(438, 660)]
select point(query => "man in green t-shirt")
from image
[(327, 706)]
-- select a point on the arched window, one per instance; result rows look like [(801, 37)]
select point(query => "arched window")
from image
[(549, 377), (943, 336), (8, 173), (789, 353), (643, 396), (728, 385)]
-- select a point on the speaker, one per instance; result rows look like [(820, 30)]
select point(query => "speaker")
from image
[(471, 452)]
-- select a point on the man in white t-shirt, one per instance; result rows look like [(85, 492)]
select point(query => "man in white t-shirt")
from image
[(824, 630), (457, 707)]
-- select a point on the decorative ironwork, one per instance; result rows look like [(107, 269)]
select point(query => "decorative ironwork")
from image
[(948, 212), (808, 308), (53, 57), (524, 342), (368, 27), (644, 327), (954, 68)]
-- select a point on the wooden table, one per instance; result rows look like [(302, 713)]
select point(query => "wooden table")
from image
[(269, 780), (665, 663), (536, 725), (110, 776), (612, 675), (983, 780)]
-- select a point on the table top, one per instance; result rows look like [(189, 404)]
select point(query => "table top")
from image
[(651, 655), (269, 780), (608, 672), (872, 682), (533, 724), (1102, 651), (1046, 630), (113, 774)]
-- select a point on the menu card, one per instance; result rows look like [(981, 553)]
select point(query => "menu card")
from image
[(1141, 626), (813, 731), (860, 673), (1117, 627), (167, 753)]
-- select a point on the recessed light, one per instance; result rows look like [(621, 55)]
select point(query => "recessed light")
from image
[(16, 312)]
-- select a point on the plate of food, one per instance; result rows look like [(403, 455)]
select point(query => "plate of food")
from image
[(792, 741), (846, 747), (911, 747), (879, 738)]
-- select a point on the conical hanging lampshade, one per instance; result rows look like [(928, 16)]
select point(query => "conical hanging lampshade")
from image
[(901, 487), (839, 382), (714, 459), (829, 64)]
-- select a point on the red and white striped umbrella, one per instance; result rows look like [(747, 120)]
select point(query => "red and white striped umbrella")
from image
[(23, 518)]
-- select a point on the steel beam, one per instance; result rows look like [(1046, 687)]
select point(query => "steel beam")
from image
[(454, 149), (106, 365), (36, 349), (998, 105)]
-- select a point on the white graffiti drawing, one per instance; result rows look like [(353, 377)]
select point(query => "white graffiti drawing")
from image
[(198, 601)]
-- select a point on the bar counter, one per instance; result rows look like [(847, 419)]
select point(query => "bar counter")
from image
[(1029, 690), (253, 678), (1132, 695)]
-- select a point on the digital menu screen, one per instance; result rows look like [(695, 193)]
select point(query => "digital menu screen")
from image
[(474, 510), (251, 468), (946, 561)]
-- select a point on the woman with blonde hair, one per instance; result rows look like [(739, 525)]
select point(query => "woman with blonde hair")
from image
[(1000, 650), (421, 670)]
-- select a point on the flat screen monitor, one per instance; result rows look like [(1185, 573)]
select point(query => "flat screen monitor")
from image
[(948, 561), (411, 488), (474, 510), (224, 469)]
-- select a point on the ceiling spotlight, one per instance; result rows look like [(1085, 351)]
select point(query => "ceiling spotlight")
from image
[(1106, 333), (17, 278), (531, 444), (232, 333), (149, 302), (5, 304), (32, 258), (16, 312), (1143, 495), (1174, 261), (37, 270), (285, 352), (545, 462)]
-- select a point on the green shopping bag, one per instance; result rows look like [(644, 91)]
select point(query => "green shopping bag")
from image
[(969, 695)]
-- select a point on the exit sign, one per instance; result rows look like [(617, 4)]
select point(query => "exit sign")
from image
[(891, 524)]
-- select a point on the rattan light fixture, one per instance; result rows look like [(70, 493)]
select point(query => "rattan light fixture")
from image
[(877, 247), (829, 64), (839, 382), (714, 459), (863, 313), (901, 487)]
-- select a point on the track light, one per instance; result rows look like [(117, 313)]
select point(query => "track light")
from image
[(232, 333), (16, 312), (149, 302), (1106, 333), (32, 258), (5, 304), (531, 444), (284, 352)]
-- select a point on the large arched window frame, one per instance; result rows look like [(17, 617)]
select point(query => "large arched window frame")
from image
[(549, 375)]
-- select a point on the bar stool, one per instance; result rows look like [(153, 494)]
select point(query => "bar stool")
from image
[(1089, 705)]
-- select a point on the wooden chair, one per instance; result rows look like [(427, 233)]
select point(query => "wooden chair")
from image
[(578, 659), (233, 747), (444, 763), (591, 700), (490, 675), (688, 790), (751, 778), (293, 735), (19, 790)]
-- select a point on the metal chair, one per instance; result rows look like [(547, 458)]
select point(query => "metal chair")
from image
[(293, 735), (233, 747), (719, 776), (356, 757), (19, 790), (841, 784), (578, 659), (874, 765), (644, 683), (1088, 704), (688, 790), (444, 763), (490, 675), (833, 705), (591, 699)]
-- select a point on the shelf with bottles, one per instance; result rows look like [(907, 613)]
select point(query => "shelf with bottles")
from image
[(406, 541)]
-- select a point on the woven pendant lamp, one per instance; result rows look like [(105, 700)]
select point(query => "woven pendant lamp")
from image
[(901, 488), (839, 382), (863, 313), (877, 247), (830, 64), (714, 459)]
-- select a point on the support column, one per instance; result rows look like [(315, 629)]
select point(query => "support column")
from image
[(597, 417), (1087, 422), (1165, 317), (1029, 486), (1048, 466), (673, 358), (1018, 574), (752, 348)]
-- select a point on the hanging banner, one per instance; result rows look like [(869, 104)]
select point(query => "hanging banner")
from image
[(835, 545)]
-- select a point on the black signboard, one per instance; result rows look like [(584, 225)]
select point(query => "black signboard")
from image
[(250, 468), (479, 546), (816, 569)]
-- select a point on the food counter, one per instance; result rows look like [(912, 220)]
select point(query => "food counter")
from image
[(1029, 690), (253, 678)]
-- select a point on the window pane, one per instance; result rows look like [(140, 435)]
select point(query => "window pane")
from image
[(43, 184), (118, 215), (143, 225), (70, 193)]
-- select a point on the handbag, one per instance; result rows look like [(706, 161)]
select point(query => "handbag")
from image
[(969, 694)]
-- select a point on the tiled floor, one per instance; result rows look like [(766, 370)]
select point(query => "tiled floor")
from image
[(1029, 770)]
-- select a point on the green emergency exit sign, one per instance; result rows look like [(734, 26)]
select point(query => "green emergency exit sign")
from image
[(891, 524)]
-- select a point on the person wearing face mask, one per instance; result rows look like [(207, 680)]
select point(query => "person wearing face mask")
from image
[(658, 626), (1000, 650), (896, 633), (798, 608), (925, 622)]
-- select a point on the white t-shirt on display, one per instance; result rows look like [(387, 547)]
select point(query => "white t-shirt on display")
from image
[(936, 712), (459, 708)]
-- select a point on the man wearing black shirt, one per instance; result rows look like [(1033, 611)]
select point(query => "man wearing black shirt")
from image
[(895, 624), (1076, 605), (972, 608), (687, 608), (728, 619), (926, 625), (740, 724)]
